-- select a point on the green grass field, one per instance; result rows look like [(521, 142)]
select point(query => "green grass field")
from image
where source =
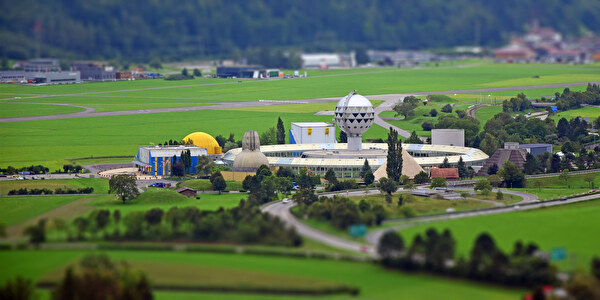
[(50, 142), (205, 185), (100, 185), (584, 112), (554, 187), (367, 83), (374, 281), (12, 110), (425, 206), (571, 226), (17, 209), (167, 198)]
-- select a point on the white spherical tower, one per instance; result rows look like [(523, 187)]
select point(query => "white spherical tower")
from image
[(354, 114)]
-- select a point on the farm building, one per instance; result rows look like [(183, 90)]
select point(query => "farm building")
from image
[(187, 191)]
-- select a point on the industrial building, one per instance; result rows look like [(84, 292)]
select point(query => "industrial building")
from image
[(448, 137), (53, 77), (40, 77), (328, 60), (312, 133), (12, 77), (157, 160), (42, 65), (94, 71), (537, 149), (248, 72)]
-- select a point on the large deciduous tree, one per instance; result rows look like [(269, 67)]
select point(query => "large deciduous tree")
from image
[(124, 186)]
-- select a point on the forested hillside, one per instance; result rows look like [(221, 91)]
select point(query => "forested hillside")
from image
[(140, 30)]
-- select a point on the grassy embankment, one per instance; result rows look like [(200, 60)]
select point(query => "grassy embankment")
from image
[(554, 187)]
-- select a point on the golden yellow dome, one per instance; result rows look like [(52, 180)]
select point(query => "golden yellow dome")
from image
[(204, 140)]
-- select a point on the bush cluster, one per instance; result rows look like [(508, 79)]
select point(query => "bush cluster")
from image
[(45, 191), (341, 212), (10, 170), (244, 224)]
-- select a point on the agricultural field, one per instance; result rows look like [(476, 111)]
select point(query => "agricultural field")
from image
[(551, 227), (374, 281)]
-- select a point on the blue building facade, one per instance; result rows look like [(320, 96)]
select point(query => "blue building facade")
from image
[(158, 160)]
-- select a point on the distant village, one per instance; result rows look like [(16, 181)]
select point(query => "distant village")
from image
[(538, 45)]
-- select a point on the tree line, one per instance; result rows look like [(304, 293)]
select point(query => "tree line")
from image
[(244, 224), (525, 266)]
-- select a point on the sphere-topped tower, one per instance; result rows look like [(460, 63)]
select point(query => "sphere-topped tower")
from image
[(354, 114)]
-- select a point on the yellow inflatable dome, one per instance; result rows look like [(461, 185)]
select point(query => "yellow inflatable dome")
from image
[(204, 140)]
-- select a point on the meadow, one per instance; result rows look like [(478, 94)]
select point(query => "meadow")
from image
[(554, 187), (585, 112), (337, 84), (51, 142), (167, 198), (571, 226), (374, 281)]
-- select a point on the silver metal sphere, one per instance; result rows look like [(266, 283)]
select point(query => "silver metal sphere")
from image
[(354, 114)]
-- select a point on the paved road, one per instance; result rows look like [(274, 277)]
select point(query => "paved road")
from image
[(282, 210), (374, 236), (389, 99)]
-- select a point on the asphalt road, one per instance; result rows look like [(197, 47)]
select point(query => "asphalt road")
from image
[(390, 99), (282, 211)]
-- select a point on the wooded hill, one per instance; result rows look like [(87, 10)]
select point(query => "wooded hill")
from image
[(139, 30)]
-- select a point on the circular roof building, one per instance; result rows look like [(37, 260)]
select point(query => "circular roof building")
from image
[(250, 158), (204, 140)]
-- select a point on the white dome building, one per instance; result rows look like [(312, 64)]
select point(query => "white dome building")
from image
[(354, 114)]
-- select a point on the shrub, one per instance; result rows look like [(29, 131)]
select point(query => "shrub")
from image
[(427, 126), (499, 195)]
